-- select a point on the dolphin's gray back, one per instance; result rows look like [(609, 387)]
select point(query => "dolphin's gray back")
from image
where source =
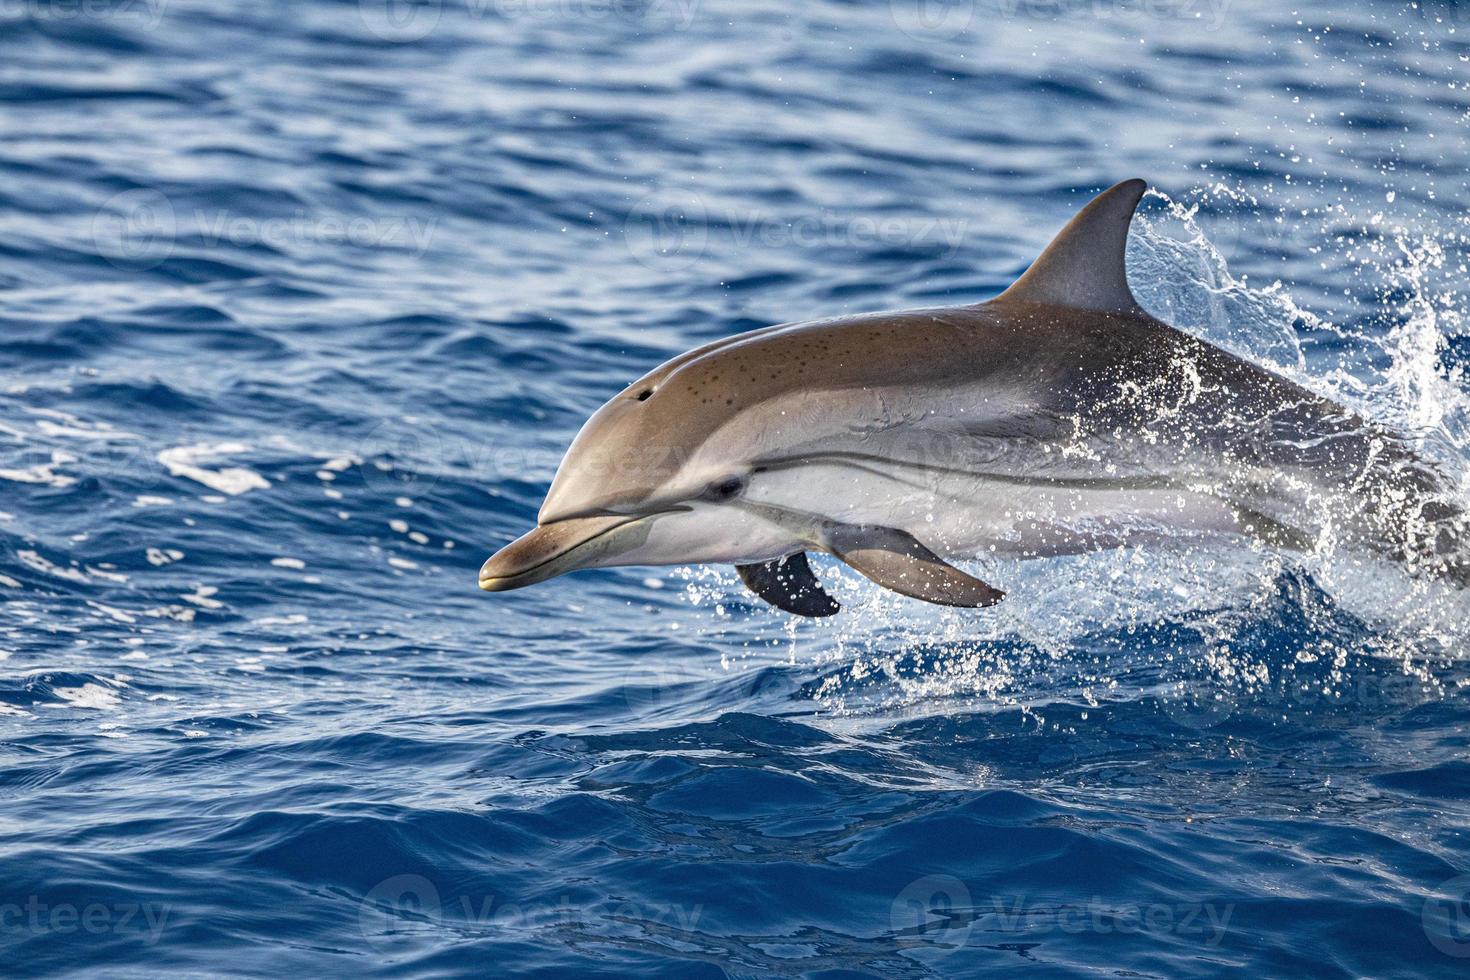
[(1034, 372)]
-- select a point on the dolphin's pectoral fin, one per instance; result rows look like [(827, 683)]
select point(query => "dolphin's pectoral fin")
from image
[(790, 584), (896, 560)]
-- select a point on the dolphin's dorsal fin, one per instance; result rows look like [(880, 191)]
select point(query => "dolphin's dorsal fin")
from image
[(1083, 265)]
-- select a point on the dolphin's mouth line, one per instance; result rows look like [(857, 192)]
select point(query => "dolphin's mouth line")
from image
[(590, 513), (504, 582)]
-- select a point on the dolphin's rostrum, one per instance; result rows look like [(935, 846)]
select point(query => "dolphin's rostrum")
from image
[(1057, 418)]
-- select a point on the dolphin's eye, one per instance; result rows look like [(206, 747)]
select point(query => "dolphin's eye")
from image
[(645, 394), (727, 488)]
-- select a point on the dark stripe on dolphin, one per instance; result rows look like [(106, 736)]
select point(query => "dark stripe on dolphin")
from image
[(857, 461)]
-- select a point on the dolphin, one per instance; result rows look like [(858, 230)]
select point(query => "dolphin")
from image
[(1057, 418)]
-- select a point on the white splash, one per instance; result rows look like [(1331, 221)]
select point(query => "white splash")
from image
[(159, 557), (233, 480), (201, 597), (94, 697), (42, 472), (35, 561), (149, 500)]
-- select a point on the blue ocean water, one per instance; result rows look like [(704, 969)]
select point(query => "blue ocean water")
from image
[(301, 302)]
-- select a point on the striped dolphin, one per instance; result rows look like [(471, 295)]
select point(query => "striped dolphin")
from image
[(1056, 418)]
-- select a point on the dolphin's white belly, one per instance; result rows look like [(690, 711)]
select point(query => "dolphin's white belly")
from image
[(964, 515), (1043, 522)]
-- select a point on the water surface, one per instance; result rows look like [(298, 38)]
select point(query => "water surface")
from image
[(301, 302)]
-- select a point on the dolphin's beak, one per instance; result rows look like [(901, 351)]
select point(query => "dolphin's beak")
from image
[(555, 549)]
